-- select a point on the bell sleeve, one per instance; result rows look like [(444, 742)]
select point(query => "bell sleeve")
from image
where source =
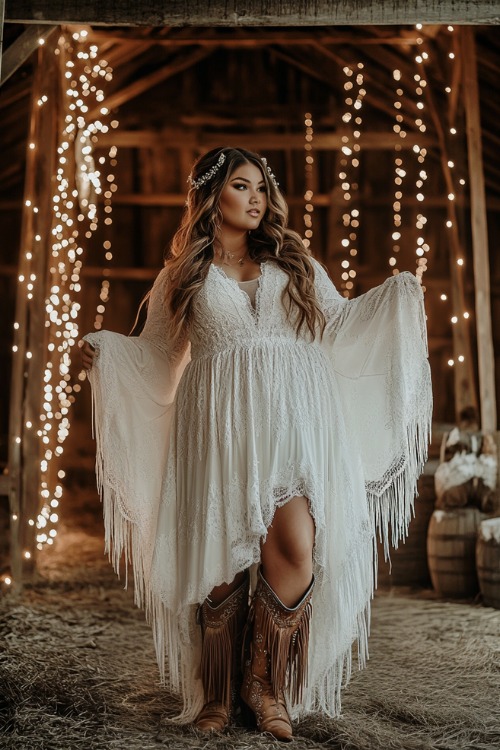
[(133, 382), (377, 345)]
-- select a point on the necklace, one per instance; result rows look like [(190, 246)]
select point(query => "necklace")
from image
[(226, 257)]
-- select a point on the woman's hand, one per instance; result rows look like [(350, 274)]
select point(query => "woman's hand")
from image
[(87, 355)]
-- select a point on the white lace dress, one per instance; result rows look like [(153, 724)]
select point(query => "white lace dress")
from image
[(198, 446)]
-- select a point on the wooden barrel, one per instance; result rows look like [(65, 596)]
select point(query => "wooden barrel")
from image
[(488, 561), (409, 561), (451, 551)]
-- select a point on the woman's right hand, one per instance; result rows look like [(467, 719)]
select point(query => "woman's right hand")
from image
[(87, 355)]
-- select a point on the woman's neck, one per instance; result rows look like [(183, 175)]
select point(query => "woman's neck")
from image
[(232, 245)]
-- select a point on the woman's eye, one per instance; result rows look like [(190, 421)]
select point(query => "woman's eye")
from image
[(240, 185)]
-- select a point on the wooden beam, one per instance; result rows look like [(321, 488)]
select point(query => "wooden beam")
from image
[(320, 199), (22, 48), (252, 12), (175, 138), (485, 351), (182, 62), (2, 17), (251, 38)]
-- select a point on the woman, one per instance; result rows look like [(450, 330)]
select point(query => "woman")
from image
[(259, 420)]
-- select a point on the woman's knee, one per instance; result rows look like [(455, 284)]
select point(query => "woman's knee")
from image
[(290, 539)]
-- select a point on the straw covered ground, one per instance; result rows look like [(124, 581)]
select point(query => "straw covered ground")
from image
[(77, 668)]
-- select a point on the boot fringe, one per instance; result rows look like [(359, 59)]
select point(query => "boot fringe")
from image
[(221, 626), (286, 645)]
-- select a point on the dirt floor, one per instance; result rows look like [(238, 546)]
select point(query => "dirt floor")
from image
[(77, 668)]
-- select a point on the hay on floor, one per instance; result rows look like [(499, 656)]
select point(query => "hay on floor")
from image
[(77, 671)]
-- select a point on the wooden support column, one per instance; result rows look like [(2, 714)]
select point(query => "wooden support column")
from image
[(27, 366), (465, 382), (19, 360), (486, 357), (2, 18)]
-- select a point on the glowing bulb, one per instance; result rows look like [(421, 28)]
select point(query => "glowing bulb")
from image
[(451, 362)]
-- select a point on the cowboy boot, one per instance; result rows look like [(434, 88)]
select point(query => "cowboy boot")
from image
[(221, 629), (278, 658)]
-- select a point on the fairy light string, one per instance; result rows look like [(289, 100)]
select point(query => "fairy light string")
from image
[(399, 172), (82, 194), (451, 222), (348, 175), (308, 172)]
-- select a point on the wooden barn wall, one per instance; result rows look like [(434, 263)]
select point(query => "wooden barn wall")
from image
[(237, 93)]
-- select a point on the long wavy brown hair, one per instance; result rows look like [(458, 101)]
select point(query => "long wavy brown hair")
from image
[(192, 247)]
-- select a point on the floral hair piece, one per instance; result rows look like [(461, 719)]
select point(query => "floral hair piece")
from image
[(209, 174), (269, 172)]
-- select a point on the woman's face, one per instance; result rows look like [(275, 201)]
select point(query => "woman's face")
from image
[(243, 200)]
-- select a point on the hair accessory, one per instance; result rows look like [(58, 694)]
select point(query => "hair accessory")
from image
[(208, 175), (269, 172)]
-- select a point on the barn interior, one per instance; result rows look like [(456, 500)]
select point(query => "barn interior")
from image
[(385, 144)]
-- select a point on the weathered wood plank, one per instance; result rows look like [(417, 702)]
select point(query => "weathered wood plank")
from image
[(485, 351), (253, 12)]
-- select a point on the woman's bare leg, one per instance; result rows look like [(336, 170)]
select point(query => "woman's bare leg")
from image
[(287, 551), (220, 593)]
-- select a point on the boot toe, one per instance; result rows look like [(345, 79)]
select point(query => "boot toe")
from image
[(212, 718), (280, 729)]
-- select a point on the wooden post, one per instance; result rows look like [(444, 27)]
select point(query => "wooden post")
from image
[(2, 18), (486, 357), (465, 383), (19, 360), (27, 366), (46, 147)]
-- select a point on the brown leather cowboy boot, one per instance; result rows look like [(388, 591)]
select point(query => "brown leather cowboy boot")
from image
[(278, 658), (221, 628)]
